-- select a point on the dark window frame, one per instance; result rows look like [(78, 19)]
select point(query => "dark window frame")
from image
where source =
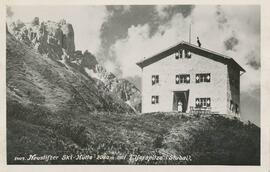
[(156, 79), (203, 78), (182, 79), (183, 53), (237, 111), (155, 99), (187, 54), (202, 102)]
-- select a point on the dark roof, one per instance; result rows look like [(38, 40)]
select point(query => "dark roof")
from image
[(194, 49)]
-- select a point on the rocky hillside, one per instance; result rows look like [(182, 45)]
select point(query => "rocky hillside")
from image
[(55, 40)]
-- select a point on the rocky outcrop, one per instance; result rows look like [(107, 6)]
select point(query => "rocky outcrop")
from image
[(68, 38), (51, 38), (56, 41), (123, 88)]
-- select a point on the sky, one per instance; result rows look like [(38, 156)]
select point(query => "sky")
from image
[(120, 36)]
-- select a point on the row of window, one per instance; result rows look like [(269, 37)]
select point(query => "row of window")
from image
[(182, 54), (185, 78), (199, 102)]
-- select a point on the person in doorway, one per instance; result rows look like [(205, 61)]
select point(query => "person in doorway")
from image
[(179, 106)]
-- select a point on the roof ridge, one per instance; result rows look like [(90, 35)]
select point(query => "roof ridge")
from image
[(165, 49), (205, 49), (168, 51)]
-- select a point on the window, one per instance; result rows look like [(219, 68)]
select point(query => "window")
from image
[(154, 100), (187, 54), (155, 79), (236, 108), (182, 78), (178, 54), (203, 77), (202, 102)]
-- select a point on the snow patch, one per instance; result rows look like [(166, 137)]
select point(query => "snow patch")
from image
[(91, 73), (63, 61), (129, 103)]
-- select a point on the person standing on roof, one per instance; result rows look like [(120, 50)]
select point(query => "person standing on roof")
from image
[(198, 41)]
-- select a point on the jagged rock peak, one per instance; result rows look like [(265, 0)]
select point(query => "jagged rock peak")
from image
[(52, 38)]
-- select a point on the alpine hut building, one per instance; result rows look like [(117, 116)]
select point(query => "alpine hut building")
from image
[(187, 78)]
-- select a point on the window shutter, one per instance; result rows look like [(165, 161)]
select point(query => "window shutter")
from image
[(197, 78), (187, 79), (153, 80), (177, 55), (208, 77), (197, 102), (153, 99), (187, 54), (177, 79), (208, 102)]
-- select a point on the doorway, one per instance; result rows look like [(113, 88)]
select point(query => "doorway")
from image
[(180, 96)]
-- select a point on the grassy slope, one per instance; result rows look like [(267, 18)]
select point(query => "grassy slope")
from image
[(32, 78), (55, 110)]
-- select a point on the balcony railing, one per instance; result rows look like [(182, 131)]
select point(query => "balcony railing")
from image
[(200, 110)]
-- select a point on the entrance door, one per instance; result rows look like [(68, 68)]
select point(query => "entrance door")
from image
[(180, 96)]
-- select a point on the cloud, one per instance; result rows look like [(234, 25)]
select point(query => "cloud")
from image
[(253, 61), (86, 21), (230, 43), (118, 8), (121, 18), (221, 18), (168, 11), (110, 66), (231, 30), (138, 44)]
